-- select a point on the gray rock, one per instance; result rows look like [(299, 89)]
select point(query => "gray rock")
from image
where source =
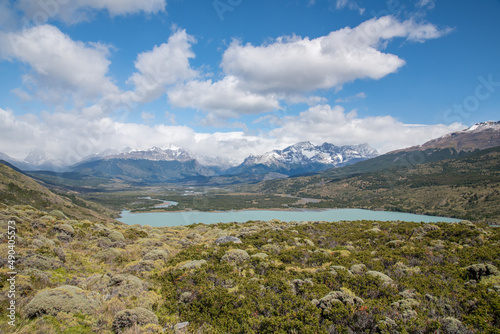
[(226, 239)]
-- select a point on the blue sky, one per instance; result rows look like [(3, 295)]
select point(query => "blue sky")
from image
[(236, 77)]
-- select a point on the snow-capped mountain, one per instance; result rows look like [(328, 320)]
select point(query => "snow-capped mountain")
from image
[(171, 153), (479, 136), (304, 157)]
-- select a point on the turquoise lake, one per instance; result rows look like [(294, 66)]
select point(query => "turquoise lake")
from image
[(192, 217)]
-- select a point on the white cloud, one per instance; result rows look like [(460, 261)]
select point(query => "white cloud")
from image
[(426, 4), (60, 66), (294, 64), (353, 5), (165, 65), (324, 123), (71, 136), (81, 10), (224, 98), (360, 95)]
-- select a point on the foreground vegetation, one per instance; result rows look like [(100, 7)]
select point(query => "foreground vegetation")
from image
[(83, 276)]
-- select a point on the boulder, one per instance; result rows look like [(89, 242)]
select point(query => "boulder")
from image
[(226, 239), (66, 298), (132, 317)]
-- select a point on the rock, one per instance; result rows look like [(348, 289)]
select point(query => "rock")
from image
[(385, 279), (157, 254), (479, 270), (132, 317), (373, 230), (235, 256), (358, 269), (66, 298), (195, 264), (181, 328), (226, 239), (116, 236)]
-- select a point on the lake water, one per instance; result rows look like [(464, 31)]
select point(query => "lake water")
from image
[(191, 217)]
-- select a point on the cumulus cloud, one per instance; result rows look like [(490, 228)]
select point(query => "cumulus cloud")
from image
[(59, 65), (71, 136), (295, 64), (75, 11), (324, 123), (165, 65), (425, 4), (224, 98), (353, 5)]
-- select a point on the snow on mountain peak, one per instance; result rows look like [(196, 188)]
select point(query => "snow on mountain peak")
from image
[(484, 126)]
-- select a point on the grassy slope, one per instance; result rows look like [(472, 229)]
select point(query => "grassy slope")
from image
[(19, 189), (274, 294)]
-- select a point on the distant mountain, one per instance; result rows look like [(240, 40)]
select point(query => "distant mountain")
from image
[(304, 157), (456, 145), (480, 136), (150, 166), (36, 159)]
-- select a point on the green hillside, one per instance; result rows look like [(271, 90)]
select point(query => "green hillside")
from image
[(465, 187), (19, 189)]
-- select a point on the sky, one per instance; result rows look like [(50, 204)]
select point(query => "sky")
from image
[(229, 78)]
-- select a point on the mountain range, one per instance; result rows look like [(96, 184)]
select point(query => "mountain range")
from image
[(174, 164)]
